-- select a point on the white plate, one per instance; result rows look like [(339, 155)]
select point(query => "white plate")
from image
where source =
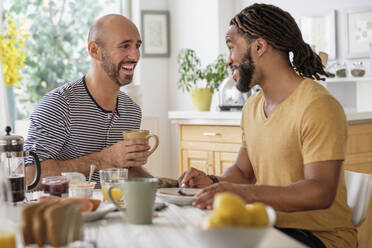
[(103, 209), (171, 195)]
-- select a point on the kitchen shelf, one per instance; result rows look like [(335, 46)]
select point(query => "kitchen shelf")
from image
[(348, 79)]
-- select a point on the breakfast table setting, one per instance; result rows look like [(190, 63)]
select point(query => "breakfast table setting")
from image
[(174, 223)]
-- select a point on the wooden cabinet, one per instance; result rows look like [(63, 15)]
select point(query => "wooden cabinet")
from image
[(213, 149), (359, 159), (209, 148)]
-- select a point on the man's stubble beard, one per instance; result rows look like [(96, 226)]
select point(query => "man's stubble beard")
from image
[(114, 73), (246, 70)]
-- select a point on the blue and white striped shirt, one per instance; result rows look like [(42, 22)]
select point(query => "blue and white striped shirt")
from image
[(68, 123)]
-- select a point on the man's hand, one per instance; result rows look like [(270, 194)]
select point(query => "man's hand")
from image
[(205, 197), (194, 178), (124, 152)]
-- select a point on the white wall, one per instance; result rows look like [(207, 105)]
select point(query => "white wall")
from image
[(153, 91)]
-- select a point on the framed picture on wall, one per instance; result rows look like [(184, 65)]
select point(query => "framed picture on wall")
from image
[(319, 31), (155, 33), (359, 32)]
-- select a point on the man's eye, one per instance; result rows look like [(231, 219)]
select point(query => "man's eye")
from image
[(125, 46), (138, 46)]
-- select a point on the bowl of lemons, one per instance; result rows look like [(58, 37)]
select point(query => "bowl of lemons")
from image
[(233, 223)]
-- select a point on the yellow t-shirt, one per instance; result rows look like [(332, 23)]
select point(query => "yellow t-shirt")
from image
[(309, 126)]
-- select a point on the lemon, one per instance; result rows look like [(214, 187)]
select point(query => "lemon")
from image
[(116, 193), (215, 221), (229, 206), (257, 214)]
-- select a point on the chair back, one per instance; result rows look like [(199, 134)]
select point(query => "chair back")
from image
[(359, 191)]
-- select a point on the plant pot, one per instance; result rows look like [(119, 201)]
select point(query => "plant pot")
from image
[(201, 98)]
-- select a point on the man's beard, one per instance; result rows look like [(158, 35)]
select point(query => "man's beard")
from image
[(114, 73), (246, 70)]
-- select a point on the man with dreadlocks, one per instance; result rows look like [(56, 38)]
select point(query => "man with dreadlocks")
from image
[(294, 133)]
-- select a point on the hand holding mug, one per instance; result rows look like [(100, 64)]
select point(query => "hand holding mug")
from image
[(141, 134)]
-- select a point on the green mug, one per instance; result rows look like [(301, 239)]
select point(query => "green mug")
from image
[(139, 198)]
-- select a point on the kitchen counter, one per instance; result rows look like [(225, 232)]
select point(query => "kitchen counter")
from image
[(233, 118)]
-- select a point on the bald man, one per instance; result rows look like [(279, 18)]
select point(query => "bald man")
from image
[(81, 122)]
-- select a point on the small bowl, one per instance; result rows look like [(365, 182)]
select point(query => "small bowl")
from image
[(74, 177), (237, 237), (358, 72), (81, 189)]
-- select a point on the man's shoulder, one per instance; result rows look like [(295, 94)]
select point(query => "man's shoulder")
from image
[(59, 98), (68, 89), (313, 93)]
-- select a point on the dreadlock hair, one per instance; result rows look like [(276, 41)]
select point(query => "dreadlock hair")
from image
[(280, 30)]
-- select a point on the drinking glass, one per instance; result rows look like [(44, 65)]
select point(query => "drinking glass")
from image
[(110, 177)]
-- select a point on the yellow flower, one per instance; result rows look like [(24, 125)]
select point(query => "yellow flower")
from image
[(12, 53)]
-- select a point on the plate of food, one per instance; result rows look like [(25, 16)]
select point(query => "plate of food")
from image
[(179, 196)]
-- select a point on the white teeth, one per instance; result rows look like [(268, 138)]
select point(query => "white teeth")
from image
[(128, 67)]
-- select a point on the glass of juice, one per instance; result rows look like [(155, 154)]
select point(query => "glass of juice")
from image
[(110, 177), (7, 239)]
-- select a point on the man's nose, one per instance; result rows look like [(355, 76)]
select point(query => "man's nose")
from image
[(229, 60), (134, 54)]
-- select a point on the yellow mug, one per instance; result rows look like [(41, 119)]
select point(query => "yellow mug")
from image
[(141, 134)]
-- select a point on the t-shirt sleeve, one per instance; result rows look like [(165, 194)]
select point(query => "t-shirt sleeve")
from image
[(49, 128), (323, 131)]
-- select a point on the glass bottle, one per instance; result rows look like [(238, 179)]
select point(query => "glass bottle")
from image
[(7, 226)]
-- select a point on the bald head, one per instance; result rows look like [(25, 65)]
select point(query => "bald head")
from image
[(106, 25)]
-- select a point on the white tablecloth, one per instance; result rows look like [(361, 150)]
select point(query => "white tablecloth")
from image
[(172, 228)]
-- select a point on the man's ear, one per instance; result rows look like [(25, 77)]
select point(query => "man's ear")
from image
[(261, 46), (94, 50)]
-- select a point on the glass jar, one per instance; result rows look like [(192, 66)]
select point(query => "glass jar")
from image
[(358, 69), (341, 70), (57, 186)]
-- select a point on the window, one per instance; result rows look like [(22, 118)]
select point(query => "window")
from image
[(56, 50)]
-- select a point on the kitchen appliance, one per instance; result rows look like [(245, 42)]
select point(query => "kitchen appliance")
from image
[(230, 98), (12, 163)]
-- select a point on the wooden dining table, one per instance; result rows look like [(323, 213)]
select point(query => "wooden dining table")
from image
[(173, 227)]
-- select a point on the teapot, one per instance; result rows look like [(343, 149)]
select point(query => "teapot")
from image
[(12, 164)]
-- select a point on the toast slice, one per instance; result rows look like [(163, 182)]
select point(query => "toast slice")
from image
[(26, 226), (38, 222), (63, 222)]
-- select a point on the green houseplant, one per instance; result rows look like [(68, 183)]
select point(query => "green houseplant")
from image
[(200, 83)]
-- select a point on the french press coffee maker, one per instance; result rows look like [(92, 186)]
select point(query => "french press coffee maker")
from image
[(12, 163)]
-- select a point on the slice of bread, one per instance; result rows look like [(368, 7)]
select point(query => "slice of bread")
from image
[(39, 224), (26, 226), (63, 222)]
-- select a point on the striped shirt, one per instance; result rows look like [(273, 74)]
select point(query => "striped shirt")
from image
[(68, 123)]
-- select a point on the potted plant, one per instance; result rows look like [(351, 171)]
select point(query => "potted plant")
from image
[(200, 83)]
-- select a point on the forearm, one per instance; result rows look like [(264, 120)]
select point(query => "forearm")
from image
[(303, 195), (235, 175), (138, 172)]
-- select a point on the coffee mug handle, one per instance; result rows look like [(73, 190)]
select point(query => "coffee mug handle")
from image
[(156, 142), (112, 199)]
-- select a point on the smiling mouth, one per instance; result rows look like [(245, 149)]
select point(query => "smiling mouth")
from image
[(129, 68)]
